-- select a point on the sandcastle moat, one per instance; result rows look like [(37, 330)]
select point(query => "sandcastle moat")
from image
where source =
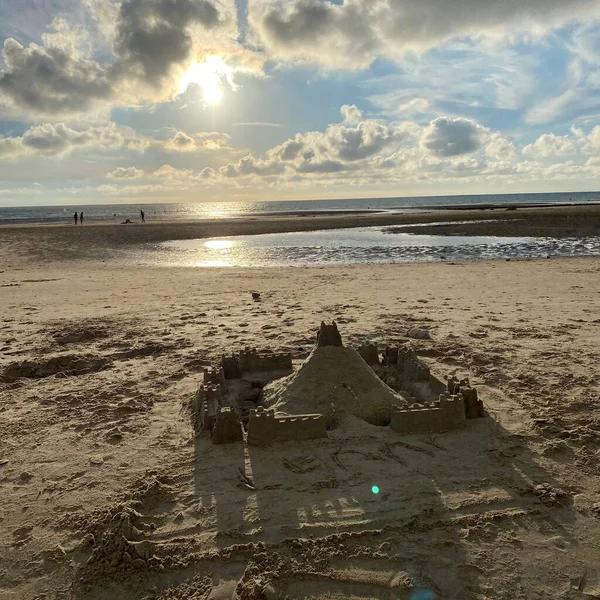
[(262, 399)]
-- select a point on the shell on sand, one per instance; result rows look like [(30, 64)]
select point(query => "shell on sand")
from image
[(333, 381)]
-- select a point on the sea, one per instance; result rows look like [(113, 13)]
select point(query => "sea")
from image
[(118, 213)]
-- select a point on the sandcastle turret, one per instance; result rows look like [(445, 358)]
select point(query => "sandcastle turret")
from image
[(329, 335)]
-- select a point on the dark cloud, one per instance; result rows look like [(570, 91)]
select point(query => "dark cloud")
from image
[(49, 81), (325, 166), (154, 35), (354, 33), (152, 41), (447, 137)]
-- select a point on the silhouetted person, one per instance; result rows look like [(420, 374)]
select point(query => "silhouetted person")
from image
[(81, 219), (75, 217), (143, 216)]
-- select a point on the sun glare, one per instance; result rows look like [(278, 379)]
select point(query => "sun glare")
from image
[(218, 244), (210, 76)]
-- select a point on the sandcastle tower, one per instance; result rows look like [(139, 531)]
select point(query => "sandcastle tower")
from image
[(334, 381)]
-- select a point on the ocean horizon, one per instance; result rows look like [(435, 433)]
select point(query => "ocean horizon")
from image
[(215, 210)]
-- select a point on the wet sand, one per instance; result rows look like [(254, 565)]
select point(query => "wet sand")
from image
[(48, 243)]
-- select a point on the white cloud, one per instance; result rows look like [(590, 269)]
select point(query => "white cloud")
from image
[(548, 145), (52, 140), (206, 141), (500, 149), (591, 143), (551, 109), (181, 142), (351, 114), (123, 173)]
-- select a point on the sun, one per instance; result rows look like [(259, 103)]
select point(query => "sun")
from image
[(210, 76)]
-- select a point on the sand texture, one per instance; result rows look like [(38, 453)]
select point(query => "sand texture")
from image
[(106, 493)]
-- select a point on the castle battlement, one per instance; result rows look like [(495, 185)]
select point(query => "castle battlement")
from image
[(473, 405), (208, 400), (252, 361), (214, 376), (265, 427), (445, 414)]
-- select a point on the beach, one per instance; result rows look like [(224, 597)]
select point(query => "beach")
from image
[(100, 360)]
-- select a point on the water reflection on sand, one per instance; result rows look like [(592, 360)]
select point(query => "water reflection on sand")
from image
[(369, 245)]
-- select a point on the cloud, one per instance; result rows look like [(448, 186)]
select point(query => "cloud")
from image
[(350, 35), (499, 148), (152, 42), (373, 153), (182, 142), (591, 142), (257, 124), (125, 173), (548, 145), (52, 140), (47, 80), (550, 109), (351, 114), (153, 36), (446, 137)]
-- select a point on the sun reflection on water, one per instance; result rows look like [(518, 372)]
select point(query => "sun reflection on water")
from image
[(214, 263), (219, 244)]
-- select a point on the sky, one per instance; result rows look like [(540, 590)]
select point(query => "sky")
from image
[(140, 101)]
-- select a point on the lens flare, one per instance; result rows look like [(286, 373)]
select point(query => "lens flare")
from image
[(375, 489)]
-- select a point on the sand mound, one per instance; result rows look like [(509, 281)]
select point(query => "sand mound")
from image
[(333, 381)]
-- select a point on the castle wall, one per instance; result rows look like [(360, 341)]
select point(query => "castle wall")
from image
[(446, 414), (252, 362), (414, 369), (369, 353), (264, 427), (300, 427)]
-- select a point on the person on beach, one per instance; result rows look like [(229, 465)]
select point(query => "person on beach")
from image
[(81, 219), (143, 216), (75, 217)]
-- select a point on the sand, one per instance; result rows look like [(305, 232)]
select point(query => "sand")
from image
[(105, 492)]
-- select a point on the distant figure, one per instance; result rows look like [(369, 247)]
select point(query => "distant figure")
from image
[(143, 216), (81, 219), (75, 217)]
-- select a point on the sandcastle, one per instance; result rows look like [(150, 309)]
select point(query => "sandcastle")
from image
[(259, 397)]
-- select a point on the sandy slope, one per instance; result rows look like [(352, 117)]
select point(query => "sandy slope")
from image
[(106, 494)]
